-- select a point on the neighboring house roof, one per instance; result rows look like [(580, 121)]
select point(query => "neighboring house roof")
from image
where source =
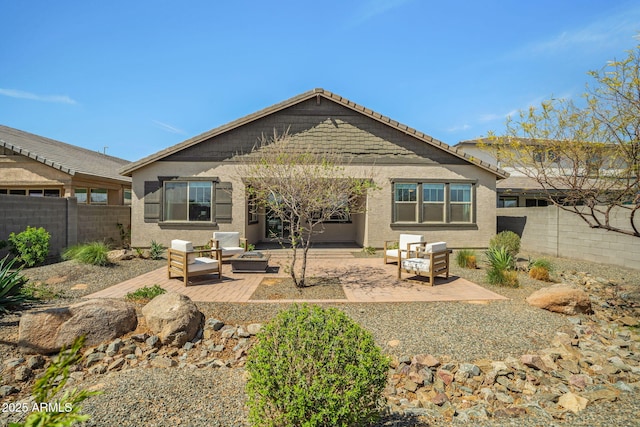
[(70, 159), (132, 167)]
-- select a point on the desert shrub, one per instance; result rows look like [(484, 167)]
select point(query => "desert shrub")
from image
[(314, 367), (146, 293), (156, 250), (501, 267), (11, 284), (88, 253), (47, 387), (30, 246), (540, 269), (508, 240), (466, 258), (369, 250)]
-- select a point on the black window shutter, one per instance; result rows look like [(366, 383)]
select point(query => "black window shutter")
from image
[(223, 202), (152, 193)]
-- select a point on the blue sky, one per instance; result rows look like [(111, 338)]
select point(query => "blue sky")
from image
[(140, 76)]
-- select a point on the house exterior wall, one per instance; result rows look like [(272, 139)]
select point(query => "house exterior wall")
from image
[(20, 172), (370, 229), (372, 148)]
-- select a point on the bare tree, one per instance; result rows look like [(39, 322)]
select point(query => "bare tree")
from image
[(585, 157), (304, 189)]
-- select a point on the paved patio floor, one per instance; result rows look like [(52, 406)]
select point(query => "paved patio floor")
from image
[(363, 279)]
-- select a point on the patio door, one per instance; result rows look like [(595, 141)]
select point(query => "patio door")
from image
[(276, 229)]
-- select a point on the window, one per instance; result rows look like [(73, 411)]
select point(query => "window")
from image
[(508, 202), (405, 203), (252, 208), (127, 196), (433, 202), (530, 203), (18, 192), (51, 193), (98, 196), (81, 195), (187, 200), (460, 202)]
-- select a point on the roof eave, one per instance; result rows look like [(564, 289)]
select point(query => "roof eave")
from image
[(37, 157)]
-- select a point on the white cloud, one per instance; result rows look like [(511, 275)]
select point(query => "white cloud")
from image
[(13, 93), (374, 8), (608, 32), (459, 128), (169, 128)]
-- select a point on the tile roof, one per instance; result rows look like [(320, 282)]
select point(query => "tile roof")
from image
[(67, 158), (130, 168)]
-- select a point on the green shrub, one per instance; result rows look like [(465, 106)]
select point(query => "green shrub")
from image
[(156, 250), (31, 246), (88, 253), (501, 265), (46, 388), (540, 269), (314, 367), (11, 283), (466, 258), (250, 246), (369, 250), (508, 240), (146, 293)]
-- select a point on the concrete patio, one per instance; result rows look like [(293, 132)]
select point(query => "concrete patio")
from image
[(364, 280)]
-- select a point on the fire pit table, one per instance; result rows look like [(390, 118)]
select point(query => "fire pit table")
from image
[(250, 262)]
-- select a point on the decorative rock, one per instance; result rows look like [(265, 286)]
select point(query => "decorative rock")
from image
[(440, 399), (422, 360), (162, 362), (153, 341), (445, 376), (228, 331), (561, 298), (254, 328), (116, 364), (94, 358), (410, 386), (22, 373), (628, 321), (47, 331), (7, 390), (35, 362), (174, 318), (533, 361), (573, 402), (215, 324)]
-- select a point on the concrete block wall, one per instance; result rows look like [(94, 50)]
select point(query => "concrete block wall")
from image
[(552, 231), (67, 222), (100, 223)]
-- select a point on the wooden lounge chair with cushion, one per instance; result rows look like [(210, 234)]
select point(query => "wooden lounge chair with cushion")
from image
[(404, 247), (229, 242), (430, 261), (185, 262)]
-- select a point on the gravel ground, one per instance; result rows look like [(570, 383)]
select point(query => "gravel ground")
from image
[(448, 330)]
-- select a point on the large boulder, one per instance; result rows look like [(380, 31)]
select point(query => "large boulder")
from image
[(561, 298), (174, 318), (99, 320)]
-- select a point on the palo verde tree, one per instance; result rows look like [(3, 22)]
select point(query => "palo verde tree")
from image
[(584, 155), (304, 189)]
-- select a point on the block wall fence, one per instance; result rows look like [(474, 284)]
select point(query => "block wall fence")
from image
[(550, 230), (66, 221)]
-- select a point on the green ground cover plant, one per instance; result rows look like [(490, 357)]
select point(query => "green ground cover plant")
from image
[(466, 258), (146, 293), (315, 367), (501, 267), (156, 250)]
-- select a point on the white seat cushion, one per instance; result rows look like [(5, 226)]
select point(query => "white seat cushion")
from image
[(232, 251), (405, 239), (227, 239), (420, 265), (394, 253), (435, 247), (181, 245), (203, 263)]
